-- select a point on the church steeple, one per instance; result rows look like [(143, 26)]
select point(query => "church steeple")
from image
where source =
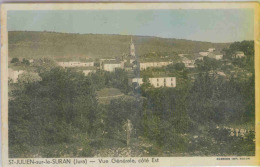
[(132, 48)]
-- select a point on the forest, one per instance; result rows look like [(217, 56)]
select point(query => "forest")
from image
[(60, 114)]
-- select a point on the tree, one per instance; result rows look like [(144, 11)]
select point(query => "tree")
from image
[(51, 111), (245, 46), (15, 60), (28, 77), (25, 62), (179, 66)]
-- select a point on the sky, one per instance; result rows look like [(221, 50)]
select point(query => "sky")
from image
[(212, 25)]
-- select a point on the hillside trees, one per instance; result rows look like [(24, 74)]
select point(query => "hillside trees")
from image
[(14, 60), (50, 111), (245, 46)]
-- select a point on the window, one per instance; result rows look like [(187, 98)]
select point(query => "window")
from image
[(157, 80), (171, 84), (164, 80), (171, 79), (157, 84)]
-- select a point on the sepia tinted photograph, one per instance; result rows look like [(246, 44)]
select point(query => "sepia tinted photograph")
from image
[(131, 83)]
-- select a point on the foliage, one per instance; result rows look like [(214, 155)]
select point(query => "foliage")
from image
[(57, 113), (28, 77), (25, 62), (245, 46), (208, 64), (14, 60), (179, 66), (50, 111)]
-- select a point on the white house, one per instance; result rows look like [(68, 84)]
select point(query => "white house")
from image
[(204, 53), (239, 54), (199, 58), (163, 82), (145, 65), (219, 57), (157, 81), (215, 56), (188, 62), (139, 81), (211, 49), (111, 65)]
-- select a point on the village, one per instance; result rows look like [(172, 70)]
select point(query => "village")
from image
[(131, 63), (114, 82), (135, 100)]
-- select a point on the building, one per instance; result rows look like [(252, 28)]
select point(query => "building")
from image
[(75, 64), (132, 48), (239, 54), (145, 65), (189, 63), (163, 82), (138, 81), (199, 58), (211, 49), (204, 53), (14, 74), (219, 57), (156, 82), (111, 65), (216, 56)]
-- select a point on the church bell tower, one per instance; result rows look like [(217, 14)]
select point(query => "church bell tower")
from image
[(132, 48)]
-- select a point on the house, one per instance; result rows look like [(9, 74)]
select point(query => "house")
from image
[(199, 58), (138, 81), (145, 65), (14, 74), (163, 82), (189, 63), (157, 81), (75, 64), (111, 65), (239, 54), (204, 53), (217, 56), (211, 49)]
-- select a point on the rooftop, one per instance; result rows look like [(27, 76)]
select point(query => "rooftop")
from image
[(111, 62)]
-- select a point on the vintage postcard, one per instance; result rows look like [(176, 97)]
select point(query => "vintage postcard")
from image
[(130, 84)]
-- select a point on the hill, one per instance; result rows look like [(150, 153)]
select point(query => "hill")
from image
[(26, 44)]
